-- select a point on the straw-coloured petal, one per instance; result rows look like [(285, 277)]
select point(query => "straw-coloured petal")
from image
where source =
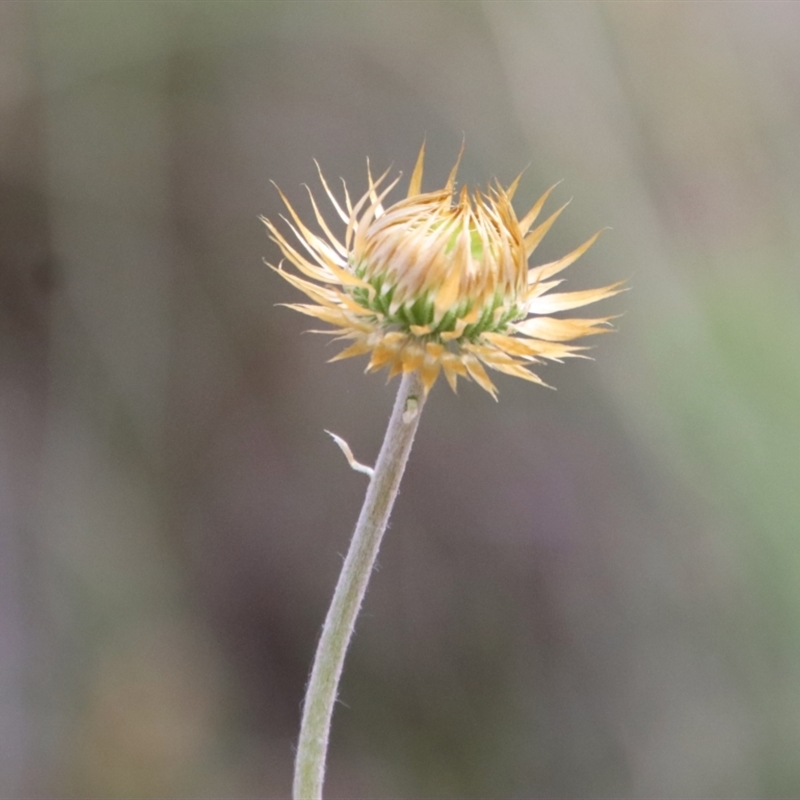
[(537, 234), (528, 220), (357, 349), (551, 303), (562, 330), (545, 271), (438, 281)]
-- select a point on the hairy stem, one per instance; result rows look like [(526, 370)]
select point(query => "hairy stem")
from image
[(340, 621)]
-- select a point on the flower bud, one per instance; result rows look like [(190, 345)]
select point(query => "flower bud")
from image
[(435, 282)]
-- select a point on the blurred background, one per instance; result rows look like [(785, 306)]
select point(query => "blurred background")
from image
[(593, 592)]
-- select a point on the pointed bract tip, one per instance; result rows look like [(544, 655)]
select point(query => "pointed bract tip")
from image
[(451, 181), (415, 185)]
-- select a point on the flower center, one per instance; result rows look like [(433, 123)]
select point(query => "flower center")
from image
[(440, 271)]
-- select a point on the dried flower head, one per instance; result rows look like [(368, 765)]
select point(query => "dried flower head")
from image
[(436, 283)]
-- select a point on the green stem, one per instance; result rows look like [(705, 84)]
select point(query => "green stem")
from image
[(340, 622)]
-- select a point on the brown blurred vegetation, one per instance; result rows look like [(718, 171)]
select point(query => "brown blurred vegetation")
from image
[(593, 592)]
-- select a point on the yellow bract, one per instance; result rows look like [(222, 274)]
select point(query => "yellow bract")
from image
[(436, 282)]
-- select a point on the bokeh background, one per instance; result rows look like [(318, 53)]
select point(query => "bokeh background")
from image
[(593, 592)]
